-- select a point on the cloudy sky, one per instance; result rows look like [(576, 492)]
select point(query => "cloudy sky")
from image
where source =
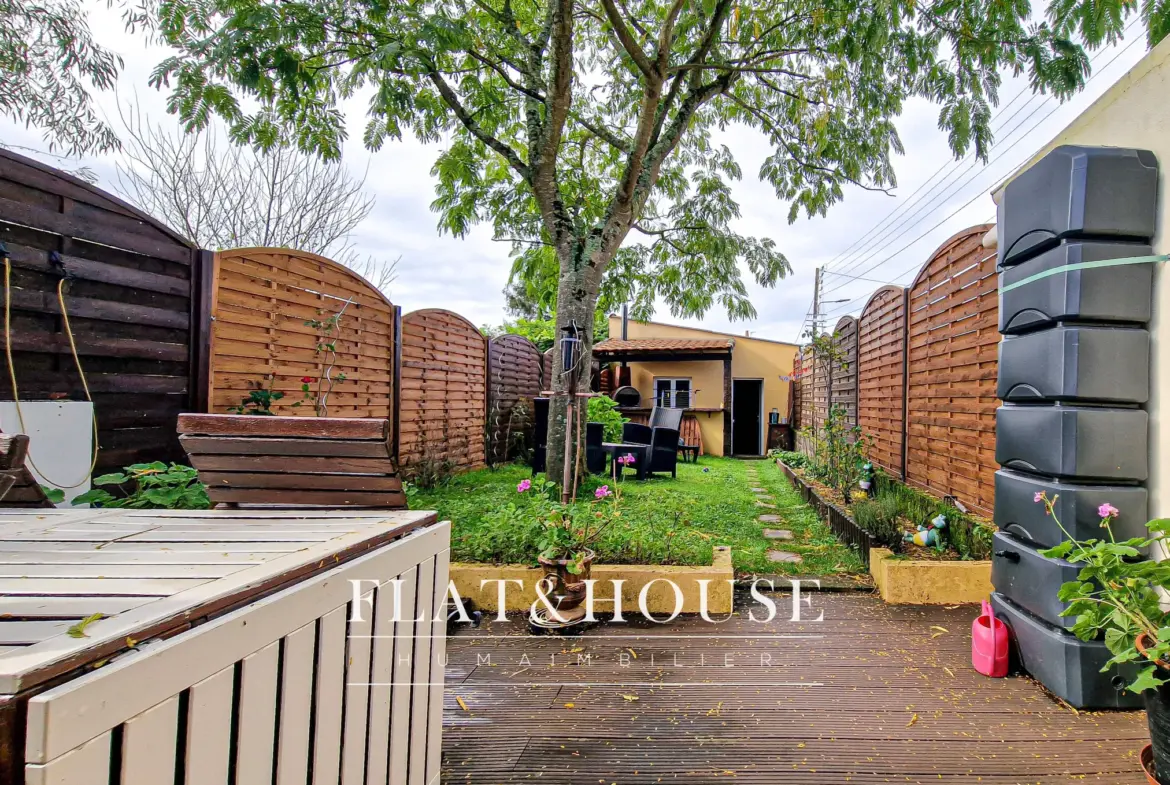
[(872, 235)]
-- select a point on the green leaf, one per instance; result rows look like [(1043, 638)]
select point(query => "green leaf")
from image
[(1146, 680), (117, 478), (55, 495), (78, 629)]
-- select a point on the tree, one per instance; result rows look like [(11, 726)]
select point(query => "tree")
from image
[(226, 196), (570, 124), (48, 62)]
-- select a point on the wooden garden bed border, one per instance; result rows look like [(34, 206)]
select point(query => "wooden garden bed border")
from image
[(837, 519)]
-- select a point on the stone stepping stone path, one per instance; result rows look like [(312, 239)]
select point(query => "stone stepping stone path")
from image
[(769, 518), (765, 504), (784, 557), (778, 534), (759, 490)]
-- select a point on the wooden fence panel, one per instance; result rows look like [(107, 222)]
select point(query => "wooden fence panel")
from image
[(821, 390), (444, 390), (135, 294), (264, 298), (843, 389), (881, 364), (953, 342), (808, 373), (796, 390), (514, 372)]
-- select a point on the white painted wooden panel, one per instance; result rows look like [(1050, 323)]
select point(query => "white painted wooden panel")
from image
[(403, 665), (149, 745), (208, 735), (296, 706), (108, 696), (330, 694), (381, 672), (438, 665), (89, 764), (65, 720), (257, 729), (420, 692), (357, 695)]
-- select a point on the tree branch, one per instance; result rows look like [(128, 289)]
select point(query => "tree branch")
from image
[(452, 100), (627, 40)]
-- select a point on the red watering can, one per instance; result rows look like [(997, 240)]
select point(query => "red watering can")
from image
[(989, 644)]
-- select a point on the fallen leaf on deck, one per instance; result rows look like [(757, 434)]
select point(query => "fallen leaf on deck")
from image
[(78, 630), (462, 705), (630, 698), (569, 705), (913, 719)]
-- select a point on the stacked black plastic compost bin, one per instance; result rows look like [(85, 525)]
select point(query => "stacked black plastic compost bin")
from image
[(1073, 378)]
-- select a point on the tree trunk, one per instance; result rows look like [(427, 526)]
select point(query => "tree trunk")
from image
[(576, 303)]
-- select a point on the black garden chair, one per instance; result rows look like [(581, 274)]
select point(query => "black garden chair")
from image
[(661, 434)]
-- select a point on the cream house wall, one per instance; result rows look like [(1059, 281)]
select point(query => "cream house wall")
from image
[(752, 358), (1135, 113)]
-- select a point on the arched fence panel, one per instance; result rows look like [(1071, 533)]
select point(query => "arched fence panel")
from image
[(514, 378), (881, 368), (797, 372), (287, 318), (136, 296), (952, 350), (443, 417), (843, 385), (822, 380)]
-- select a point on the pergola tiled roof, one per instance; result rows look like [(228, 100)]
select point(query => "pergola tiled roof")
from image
[(663, 348)]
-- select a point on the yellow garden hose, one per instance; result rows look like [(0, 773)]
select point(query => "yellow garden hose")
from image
[(12, 372)]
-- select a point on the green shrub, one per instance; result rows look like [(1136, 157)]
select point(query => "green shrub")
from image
[(603, 409), (794, 460), (879, 517), (149, 486)]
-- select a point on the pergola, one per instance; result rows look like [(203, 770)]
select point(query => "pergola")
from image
[(645, 350)]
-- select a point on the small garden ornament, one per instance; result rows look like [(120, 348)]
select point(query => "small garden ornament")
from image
[(930, 535)]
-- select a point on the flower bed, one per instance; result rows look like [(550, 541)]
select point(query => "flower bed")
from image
[(900, 578)]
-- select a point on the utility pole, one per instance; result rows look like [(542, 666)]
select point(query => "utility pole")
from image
[(816, 309)]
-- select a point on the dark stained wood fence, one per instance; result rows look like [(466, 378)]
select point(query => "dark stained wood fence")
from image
[(881, 360), (514, 378), (843, 385), (952, 353), (137, 298), (443, 406)]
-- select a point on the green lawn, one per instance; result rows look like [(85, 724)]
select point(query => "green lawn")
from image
[(663, 521)]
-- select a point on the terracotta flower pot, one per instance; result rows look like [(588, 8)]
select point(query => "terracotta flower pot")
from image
[(568, 590), (1147, 759), (1158, 718)]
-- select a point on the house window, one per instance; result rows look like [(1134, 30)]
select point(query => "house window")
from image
[(672, 393)]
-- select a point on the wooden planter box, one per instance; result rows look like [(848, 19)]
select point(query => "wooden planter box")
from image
[(227, 644), (292, 461)]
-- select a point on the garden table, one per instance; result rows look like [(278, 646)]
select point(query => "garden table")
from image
[(641, 453)]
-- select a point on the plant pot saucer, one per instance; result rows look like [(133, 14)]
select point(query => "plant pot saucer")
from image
[(542, 620), (1147, 759)]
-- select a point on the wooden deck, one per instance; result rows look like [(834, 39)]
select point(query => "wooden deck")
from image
[(873, 694)]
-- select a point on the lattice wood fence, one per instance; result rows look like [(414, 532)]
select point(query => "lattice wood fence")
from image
[(263, 299), (843, 386), (514, 376), (881, 360), (952, 353), (444, 391), (136, 294)]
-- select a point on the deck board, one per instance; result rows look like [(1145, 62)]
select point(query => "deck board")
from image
[(873, 694)]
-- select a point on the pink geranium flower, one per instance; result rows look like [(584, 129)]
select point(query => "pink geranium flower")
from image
[(602, 492), (1107, 510), (1039, 497), (626, 459), (523, 486)]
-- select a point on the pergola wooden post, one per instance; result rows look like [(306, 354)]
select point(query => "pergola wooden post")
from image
[(727, 405)]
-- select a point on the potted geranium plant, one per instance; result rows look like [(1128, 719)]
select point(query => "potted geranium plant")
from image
[(565, 553), (1118, 596)]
